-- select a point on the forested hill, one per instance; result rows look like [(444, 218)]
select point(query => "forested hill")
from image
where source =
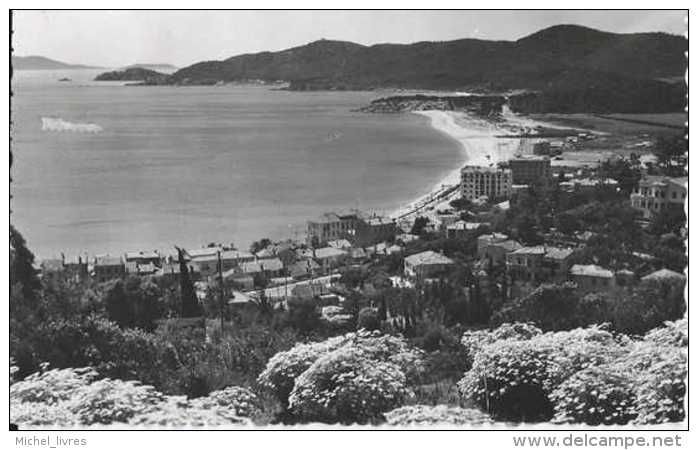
[(560, 59)]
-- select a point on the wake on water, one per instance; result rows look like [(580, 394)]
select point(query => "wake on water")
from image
[(58, 124)]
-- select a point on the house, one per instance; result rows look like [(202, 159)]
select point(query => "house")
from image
[(207, 263), (427, 264), (272, 267), (383, 248), (304, 268), (108, 268), (171, 271), (374, 229), (341, 244), (330, 227), (657, 194), (241, 280), (142, 257), (496, 252), (461, 228), (525, 263), (592, 278), (484, 240), (330, 258), (539, 263), (556, 263), (136, 268)]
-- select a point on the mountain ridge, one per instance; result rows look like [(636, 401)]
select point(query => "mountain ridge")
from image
[(36, 62)]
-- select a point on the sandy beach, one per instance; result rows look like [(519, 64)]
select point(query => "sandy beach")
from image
[(480, 145)]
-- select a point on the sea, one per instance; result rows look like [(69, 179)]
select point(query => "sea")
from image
[(102, 167)]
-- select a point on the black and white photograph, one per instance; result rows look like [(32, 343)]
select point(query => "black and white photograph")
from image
[(417, 219)]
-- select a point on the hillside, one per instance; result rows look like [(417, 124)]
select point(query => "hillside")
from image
[(152, 66), (560, 60), (132, 74), (42, 63)]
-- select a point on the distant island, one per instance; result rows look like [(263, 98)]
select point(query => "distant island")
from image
[(565, 68), (133, 74), (43, 63)]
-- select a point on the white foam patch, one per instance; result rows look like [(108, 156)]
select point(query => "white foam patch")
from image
[(58, 124)]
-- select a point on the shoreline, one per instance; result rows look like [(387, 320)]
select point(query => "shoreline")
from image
[(481, 145)]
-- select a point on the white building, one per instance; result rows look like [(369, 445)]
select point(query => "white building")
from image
[(490, 182)]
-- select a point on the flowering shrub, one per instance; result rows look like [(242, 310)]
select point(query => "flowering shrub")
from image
[(425, 415), (106, 401), (671, 334), (75, 397), (348, 386), (661, 389), (597, 395), (473, 341), (285, 367), (241, 401), (52, 386), (513, 378), (177, 412)]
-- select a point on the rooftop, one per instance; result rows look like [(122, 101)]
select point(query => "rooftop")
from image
[(558, 253), (590, 270), (328, 252), (107, 260), (142, 254), (428, 257), (663, 274), (537, 250)]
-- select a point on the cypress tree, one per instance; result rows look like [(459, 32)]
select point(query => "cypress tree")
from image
[(190, 303)]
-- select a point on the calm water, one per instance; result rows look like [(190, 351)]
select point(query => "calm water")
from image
[(195, 165)]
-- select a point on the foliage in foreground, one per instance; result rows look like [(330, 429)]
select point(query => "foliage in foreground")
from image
[(425, 415), (78, 398), (352, 378), (580, 376)]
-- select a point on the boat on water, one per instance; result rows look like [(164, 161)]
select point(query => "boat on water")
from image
[(65, 79)]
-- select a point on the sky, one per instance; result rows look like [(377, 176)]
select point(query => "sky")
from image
[(120, 38)]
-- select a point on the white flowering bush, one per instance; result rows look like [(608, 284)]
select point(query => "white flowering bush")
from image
[(179, 413), (513, 378), (77, 398), (473, 341), (427, 415), (52, 386), (284, 368), (671, 334), (348, 386), (106, 401), (661, 388), (599, 395), (241, 401)]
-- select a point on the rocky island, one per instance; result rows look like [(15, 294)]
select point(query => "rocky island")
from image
[(133, 74)]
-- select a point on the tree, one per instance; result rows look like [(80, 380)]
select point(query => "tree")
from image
[(190, 303), (261, 244), (672, 155), (419, 224), (625, 171), (22, 265)]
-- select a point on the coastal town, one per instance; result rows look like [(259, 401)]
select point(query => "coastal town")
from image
[(339, 242), (430, 220)]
